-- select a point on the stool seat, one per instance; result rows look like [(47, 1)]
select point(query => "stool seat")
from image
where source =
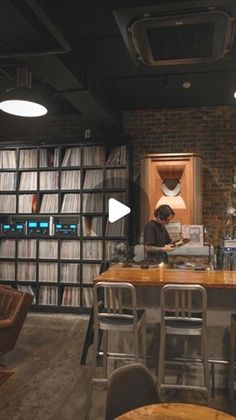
[(120, 320), (183, 326)]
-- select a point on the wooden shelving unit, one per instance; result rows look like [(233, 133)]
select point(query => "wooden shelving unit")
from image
[(58, 184)]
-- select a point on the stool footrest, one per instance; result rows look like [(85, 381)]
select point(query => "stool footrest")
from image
[(192, 360), (100, 380), (219, 361), (118, 355), (175, 360), (176, 386)]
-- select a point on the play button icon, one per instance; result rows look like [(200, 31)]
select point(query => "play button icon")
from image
[(116, 210)]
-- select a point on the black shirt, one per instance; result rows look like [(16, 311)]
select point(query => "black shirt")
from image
[(156, 234)]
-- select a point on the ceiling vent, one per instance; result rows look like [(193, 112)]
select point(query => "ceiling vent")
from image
[(186, 38)]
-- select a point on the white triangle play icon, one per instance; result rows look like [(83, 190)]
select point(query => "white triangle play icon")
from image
[(116, 210)]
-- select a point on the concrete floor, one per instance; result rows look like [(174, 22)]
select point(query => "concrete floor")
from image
[(50, 384)]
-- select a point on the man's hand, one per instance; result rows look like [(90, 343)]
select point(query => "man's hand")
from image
[(168, 247)]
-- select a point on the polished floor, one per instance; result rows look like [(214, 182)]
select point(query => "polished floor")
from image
[(50, 384)]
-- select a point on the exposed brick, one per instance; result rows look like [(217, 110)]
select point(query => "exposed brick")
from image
[(208, 131)]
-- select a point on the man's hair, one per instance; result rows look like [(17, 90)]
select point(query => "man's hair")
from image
[(163, 212)]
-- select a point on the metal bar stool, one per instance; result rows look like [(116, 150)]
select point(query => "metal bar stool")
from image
[(120, 314), (117, 316), (183, 313), (232, 355)]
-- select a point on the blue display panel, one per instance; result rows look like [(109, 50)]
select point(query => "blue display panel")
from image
[(8, 229), (37, 227), (65, 229)]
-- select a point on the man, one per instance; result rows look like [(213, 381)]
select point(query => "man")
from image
[(157, 240)]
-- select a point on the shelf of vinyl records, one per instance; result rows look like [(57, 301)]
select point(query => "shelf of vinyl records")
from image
[(59, 182), (56, 271), (59, 179)]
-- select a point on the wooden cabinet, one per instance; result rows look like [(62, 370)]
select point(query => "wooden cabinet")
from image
[(174, 179)]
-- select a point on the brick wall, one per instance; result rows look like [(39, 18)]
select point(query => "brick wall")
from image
[(208, 131), (48, 129)]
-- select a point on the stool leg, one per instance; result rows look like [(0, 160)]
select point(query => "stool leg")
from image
[(93, 371), (161, 364), (144, 343), (136, 345), (184, 375), (213, 380), (105, 348), (88, 339), (231, 366), (206, 367)]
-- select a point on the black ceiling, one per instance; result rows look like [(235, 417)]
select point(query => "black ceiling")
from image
[(83, 61)]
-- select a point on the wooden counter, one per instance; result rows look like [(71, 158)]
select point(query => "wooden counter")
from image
[(161, 275)]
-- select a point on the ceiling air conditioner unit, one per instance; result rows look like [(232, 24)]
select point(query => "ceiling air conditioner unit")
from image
[(186, 38)]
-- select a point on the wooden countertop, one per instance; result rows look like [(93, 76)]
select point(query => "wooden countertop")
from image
[(175, 411), (161, 275)]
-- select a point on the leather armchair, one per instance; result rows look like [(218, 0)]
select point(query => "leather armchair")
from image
[(14, 306)]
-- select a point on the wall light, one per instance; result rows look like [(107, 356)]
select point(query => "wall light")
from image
[(23, 101)]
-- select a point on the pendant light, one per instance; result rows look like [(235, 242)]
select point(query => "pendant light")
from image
[(22, 100)]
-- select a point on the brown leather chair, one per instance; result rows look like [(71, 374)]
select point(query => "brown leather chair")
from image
[(14, 306)]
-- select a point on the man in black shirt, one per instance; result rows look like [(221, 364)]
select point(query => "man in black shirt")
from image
[(157, 240)]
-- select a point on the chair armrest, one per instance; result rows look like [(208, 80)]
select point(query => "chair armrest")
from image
[(22, 306), (5, 323)]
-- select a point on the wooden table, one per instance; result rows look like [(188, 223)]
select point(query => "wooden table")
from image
[(174, 411), (162, 275)]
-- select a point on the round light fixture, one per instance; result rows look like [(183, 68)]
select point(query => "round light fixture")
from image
[(22, 102)]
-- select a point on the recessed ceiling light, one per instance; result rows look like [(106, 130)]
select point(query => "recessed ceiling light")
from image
[(186, 84)]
